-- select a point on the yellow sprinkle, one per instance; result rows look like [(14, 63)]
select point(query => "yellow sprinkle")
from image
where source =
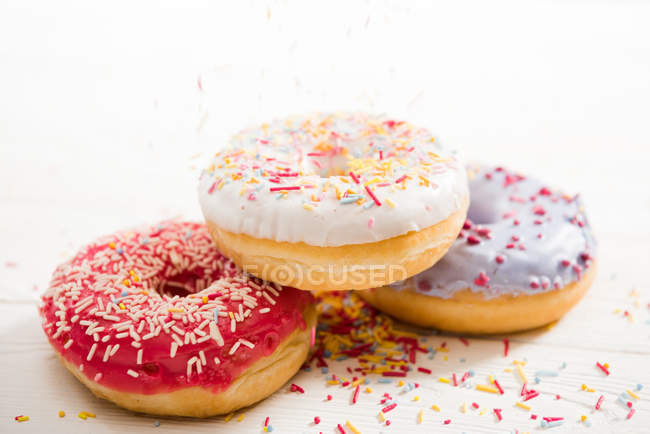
[(522, 374), (485, 388), (111, 245), (175, 310), (606, 365), (89, 414), (333, 382), (232, 316), (61, 413), (22, 418), (463, 408), (390, 203), (524, 406), (82, 415), (416, 398), (227, 419), (442, 350), (435, 407), (583, 418), (445, 358), (491, 378), (400, 384), (382, 417), (420, 416), (122, 306), (444, 380), (205, 299), (368, 390), (308, 207), (240, 418), (507, 370), (352, 427), (632, 394), (482, 412)]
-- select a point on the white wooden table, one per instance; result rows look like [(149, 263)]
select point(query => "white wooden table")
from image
[(103, 125)]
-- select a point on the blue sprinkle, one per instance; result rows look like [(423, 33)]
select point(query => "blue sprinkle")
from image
[(547, 374), (368, 204), (216, 315), (119, 250), (308, 369), (324, 370), (543, 424), (588, 423), (537, 380), (366, 381), (156, 423), (188, 233), (639, 386), (471, 373), (269, 428), (554, 423), (350, 199), (124, 293), (462, 360), (144, 240), (384, 380), (327, 353), (563, 365)]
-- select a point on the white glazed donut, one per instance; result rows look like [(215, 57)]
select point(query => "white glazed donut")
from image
[(334, 201)]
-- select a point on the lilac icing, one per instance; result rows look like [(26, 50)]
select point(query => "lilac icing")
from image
[(520, 238)]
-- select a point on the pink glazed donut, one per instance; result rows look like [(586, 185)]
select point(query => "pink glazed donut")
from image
[(158, 321)]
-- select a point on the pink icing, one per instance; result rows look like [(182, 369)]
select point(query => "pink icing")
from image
[(157, 288)]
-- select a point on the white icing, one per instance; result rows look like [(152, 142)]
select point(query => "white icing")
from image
[(229, 202)]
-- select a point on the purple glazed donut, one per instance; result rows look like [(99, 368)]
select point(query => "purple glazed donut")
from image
[(525, 256)]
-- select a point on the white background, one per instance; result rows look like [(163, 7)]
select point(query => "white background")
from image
[(103, 124)]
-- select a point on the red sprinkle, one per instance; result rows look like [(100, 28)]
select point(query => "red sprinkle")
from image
[(496, 383), (316, 420), (530, 395), (600, 402), (296, 388), (393, 374), (355, 395), (372, 195), (602, 368), (400, 179), (533, 416), (389, 408), (212, 187), (425, 370), (266, 421), (497, 411), (447, 422), (329, 397), (630, 414), (354, 177), (340, 428), (453, 377), (465, 341), (506, 344), (475, 405), (290, 187), (523, 390)]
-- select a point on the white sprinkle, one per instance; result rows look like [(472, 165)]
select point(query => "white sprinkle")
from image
[(114, 350), (268, 297), (233, 325), (67, 344), (174, 348), (249, 344), (234, 348), (202, 357), (217, 361), (139, 359), (107, 353), (91, 353), (265, 310), (132, 373)]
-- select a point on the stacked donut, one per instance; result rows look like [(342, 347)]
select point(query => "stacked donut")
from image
[(189, 319)]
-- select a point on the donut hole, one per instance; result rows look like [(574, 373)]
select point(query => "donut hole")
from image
[(183, 284)]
